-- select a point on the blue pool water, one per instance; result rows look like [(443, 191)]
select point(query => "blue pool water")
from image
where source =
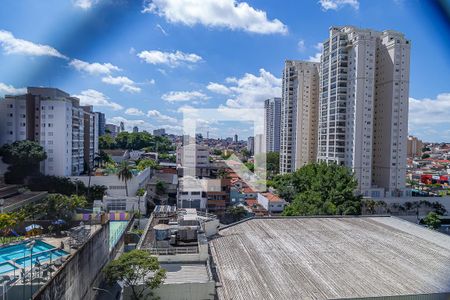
[(6, 267), (116, 229), (21, 255)]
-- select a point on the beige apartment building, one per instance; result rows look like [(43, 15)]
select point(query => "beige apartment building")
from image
[(299, 114), (363, 116)]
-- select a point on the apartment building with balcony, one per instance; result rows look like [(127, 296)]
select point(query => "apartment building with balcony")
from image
[(56, 121), (272, 120), (363, 112), (299, 105)]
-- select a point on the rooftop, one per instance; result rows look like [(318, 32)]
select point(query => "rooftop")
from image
[(329, 258)]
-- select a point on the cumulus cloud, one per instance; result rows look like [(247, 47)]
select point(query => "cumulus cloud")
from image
[(337, 4), (251, 90), (93, 68), (154, 114), (6, 89), (316, 57), (134, 112), (218, 88), (216, 13), (428, 111), (13, 45), (180, 96), (171, 59), (127, 85), (98, 99)]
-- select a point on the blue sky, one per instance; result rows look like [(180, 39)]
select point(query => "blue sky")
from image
[(144, 62)]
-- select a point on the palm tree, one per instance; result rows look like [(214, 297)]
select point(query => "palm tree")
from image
[(125, 174), (140, 192)]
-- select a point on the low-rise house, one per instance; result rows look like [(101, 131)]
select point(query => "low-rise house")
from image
[(271, 202)]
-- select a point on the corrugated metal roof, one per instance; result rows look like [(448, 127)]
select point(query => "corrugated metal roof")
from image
[(330, 258)]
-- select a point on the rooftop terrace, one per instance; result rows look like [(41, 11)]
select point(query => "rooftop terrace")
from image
[(329, 258)]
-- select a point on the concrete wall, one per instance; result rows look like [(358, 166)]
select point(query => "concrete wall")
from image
[(80, 272), (181, 291)]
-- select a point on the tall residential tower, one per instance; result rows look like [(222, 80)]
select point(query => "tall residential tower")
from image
[(299, 106), (272, 120), (363, 116)]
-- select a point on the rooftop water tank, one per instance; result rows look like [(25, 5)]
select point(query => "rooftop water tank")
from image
[(162, 232)]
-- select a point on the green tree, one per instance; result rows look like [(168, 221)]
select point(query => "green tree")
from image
[(273, 163), (222, 173), (432, 220), (217, 152), (147, 163), (236, 212), (139, 193), (106, 142), (57, 206), (425, 156), (160, 187), (124, 173), (322, 189), (24, 158), (137, 270), (250, 166)]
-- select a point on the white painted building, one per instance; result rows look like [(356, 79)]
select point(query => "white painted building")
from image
[(272, 120), (271, 202), (299, 105), (363, 114), (191, 193), (57, 122)]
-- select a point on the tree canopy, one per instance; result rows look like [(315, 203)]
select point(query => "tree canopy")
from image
[(136, 141), (319, 189), (137, 270), (432, 220), (24, 158)]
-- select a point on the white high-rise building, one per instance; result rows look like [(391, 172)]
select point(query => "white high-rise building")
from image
[(56, 121), (272, 120), (363, 115), (299, 105)]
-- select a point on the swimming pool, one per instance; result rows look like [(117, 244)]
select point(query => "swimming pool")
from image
[(21, 255), (116, 229)]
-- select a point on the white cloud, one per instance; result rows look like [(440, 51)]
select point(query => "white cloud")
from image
[(98, 99), (218, 88), (216, 13), (127, 85), (12, 45), (430, 111), (134, 112), (84, 4), (160, 117), (179, 96), (10, 90), (171, 59), (93, 68), (250, 91), (316, 57), (337, 4), (301, 46)]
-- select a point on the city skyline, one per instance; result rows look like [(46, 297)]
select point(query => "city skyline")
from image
[(154, 60)]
